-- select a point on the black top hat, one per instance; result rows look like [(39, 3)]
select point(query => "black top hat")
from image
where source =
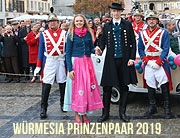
[(117, 6)]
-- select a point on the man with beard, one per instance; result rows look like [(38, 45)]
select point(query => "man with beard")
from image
[(51, 51), (153, 48)]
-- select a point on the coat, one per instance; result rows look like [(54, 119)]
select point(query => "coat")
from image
[(9, 46), (24, 48), (33, 47), (128, 43)]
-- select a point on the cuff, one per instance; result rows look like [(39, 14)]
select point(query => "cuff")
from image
[(145, 59), (39, 63), (159, 62)]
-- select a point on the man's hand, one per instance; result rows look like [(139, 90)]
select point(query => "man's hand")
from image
[(25, 38), (98, 51), (71, 75), (130, 62)]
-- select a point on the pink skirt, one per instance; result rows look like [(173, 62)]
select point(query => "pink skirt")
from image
[(85, 91)]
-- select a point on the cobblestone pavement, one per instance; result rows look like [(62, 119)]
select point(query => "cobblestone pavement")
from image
[(20, 103)]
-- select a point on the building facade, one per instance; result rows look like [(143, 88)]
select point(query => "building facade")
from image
[(160, 5), (63, 7), (13, 8)]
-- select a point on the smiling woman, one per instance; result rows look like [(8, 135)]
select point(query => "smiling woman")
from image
[(82, 92)]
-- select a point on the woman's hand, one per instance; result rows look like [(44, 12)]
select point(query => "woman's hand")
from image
[(71, 75)]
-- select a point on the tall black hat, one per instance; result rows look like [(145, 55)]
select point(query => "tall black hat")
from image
[(117, 6)]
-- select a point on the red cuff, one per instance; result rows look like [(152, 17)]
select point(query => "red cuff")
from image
[(39, 63), (159, 62), (145, 59)]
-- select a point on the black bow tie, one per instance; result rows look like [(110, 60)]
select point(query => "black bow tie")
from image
[(116, 24)]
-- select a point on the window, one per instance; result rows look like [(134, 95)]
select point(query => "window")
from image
[(172, 5), (28, 5), (32, 5), (35, 5), (39, 5), (9, 5), (145, 7), (0, 5), (46, 7), (43, 7), (165, 5), (20, 6), (159, 6), (178, 5)]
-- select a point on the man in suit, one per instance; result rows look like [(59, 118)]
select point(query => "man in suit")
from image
[(119, 40), (24, 48)]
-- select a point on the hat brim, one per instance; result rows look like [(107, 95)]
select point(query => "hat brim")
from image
[(49, 20), (116, 8), (152, 17)]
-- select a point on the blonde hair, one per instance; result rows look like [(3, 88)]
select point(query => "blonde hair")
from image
[(72, 27)]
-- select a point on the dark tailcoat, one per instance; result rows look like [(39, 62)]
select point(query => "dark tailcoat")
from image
[(128, 43)]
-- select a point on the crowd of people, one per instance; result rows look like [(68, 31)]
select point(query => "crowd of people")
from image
[(19, 43), (46, 46)]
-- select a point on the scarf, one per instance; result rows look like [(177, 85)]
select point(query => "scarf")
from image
[(80, 33)]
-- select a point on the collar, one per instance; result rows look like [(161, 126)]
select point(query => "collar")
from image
[(117, 21)]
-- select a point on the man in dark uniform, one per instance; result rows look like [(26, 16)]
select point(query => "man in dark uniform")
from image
[(119, 40)]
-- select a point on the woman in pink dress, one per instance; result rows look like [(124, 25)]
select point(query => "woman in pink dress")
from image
[(82, 92)]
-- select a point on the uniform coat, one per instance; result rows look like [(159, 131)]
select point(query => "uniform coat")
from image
[(128, 43), (33, 47)]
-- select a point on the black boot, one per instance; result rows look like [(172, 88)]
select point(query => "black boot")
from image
[(123, 104), (62, 93), (44, 99), (152, 108), (165, 92), (106, 102)]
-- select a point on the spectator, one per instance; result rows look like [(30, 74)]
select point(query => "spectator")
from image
[(170, 26), (33, 43), (10, 52), (63, 26), (24, 48)]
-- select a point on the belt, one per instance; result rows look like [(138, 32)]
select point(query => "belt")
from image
[(152, 57)]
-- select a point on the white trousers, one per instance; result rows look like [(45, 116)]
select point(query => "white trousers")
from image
[(152, 75), (54, 68)]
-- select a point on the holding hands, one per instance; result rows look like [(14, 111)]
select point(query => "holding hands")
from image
[(98, 51)]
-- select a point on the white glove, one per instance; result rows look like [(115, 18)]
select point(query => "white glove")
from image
[(156, 66), (36, 71), (150, 63)]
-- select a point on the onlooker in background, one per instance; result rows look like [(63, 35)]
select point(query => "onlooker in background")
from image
[(0, 27), (10, 52), (38, 24), (174, 44), (63, 26), (16, 30), (97, 22), (92, 26), (98, 35), (22, 25), (33, 43), (103, 18), (24, 48)]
